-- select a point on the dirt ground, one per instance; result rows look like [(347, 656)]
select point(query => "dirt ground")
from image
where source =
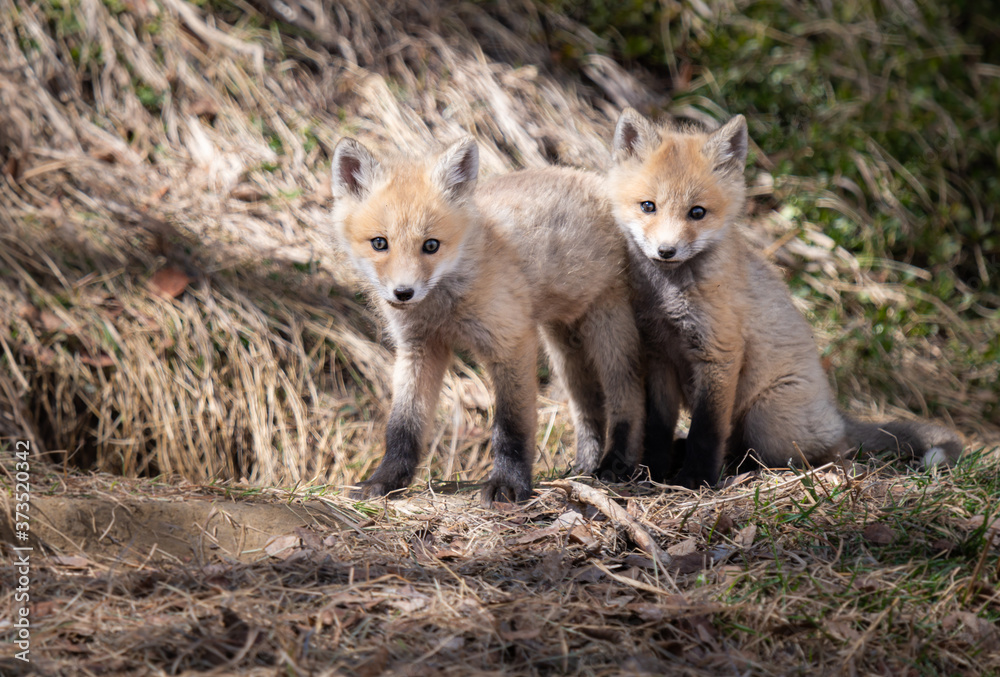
[(153, 577)]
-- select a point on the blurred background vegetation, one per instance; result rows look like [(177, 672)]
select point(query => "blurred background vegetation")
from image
[(170, 301), (878, 122)]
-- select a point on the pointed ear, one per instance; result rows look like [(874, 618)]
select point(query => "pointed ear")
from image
[(727, 147), (354, 169), (634, 135), (457, 169)]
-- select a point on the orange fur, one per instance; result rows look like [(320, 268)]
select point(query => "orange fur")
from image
[(721, 334), (532, 249)]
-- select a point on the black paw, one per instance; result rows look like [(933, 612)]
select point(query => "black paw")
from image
[(615, 469), (506, 490), (381, 484), (690, 481)]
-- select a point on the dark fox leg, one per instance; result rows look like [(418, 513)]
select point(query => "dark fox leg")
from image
[(711, 420), (515, 384), (661, 452), (417, 377)]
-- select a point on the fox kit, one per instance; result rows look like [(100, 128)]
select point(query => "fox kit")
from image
[(721, 335), (450, 265)]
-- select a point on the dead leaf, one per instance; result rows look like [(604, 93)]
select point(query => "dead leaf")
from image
[(973, 629), (842, 630), (450, 553), (744, 537), (581, 534), (282, 546), (310, 539), (589, 574), (944, 545), (568, 519), (722, 552), (640, 561), (72, 561), (737, 480), (685, 547), (729, 573), (723, 524), (169, 282), (51, 322), (688, 564), (651, 613), (879, 534)]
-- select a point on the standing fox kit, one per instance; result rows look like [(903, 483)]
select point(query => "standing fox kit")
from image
[(721, 335), (450, 265)]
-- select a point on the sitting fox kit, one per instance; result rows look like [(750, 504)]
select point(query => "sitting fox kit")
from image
[(452, 265), (720, 333)]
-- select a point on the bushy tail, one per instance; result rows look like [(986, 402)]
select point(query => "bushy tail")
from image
[(931, 443)]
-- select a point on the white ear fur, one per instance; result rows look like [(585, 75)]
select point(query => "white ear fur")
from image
[(727, 147), (457, 169), (354, 169), (635, 136)]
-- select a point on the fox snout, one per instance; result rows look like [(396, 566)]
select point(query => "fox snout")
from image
[(403, 293), (667, 246), (666, 251)]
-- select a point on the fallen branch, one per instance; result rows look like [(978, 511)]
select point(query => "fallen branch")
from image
[(582, 493)]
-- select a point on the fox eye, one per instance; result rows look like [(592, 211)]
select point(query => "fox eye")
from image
[(647, 207), (380, 244), (697, 213), (431, 246)]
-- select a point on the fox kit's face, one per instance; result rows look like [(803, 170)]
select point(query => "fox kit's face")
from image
[(405, 225), (676, 193)]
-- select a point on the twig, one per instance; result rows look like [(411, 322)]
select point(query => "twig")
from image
[(576, 491)]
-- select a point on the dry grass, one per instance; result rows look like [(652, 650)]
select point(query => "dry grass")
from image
[(171, 306), (817, 573), (176, 151), (153, 147)]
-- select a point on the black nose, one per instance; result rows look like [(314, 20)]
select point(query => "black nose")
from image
[(666, 252), (403, 293)]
